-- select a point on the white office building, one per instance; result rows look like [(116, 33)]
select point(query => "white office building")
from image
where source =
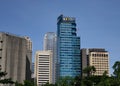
[(43, 67)]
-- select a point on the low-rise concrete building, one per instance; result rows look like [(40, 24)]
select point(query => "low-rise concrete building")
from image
[(97, 57)]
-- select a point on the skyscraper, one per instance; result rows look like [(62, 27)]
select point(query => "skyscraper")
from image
[(50, 44), (97, 57), (68, 48), (43, 67), (15, 57), (49, 41)]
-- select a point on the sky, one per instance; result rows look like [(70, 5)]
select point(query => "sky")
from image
[(98, 21)]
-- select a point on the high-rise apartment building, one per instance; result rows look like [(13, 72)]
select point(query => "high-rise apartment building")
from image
[(68, 48), (97, 57), (43, 67), (15, 57), (50, 44)]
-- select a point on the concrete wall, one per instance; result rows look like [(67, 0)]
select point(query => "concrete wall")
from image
[(15, 58)]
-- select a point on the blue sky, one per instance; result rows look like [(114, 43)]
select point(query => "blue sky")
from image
[(98, 21)]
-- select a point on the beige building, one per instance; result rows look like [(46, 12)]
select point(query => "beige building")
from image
[(15, 57), (99, 58), (43, 67)]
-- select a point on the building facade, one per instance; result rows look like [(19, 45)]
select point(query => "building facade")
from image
[(15, 57), (68, 48), (97, 57), (50, 44), (43, 67), (50, 41)]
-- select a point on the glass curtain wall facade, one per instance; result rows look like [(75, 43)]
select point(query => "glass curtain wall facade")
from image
[(68, 48), (50, 41)]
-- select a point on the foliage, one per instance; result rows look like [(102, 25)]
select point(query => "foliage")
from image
[(18, 84), (89, 70), (116, 68), (90, 80), (2, 74), (5, 81), (48, 84), (65, 81), (26, 83)]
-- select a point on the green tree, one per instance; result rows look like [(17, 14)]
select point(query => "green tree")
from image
[(89, 70), (66, 81), (116, 73), (18, 84), (116, 68), (26, 83), (104, 80), (77, 81), (5, 81), (48, 84)]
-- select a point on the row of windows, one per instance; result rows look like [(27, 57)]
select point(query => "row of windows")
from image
[(44, 59), (100, 62), (68, 66), (68, 34), (73, 30), (69, 73), (100, 59), (66, 27), (43, 64), (43, 79), (70, 55), (70, 69), (101, 68), (100, 55), (43, 68), (70, 60), (43, 73)]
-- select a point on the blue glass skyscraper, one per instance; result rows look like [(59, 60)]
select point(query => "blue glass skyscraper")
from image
[(68, 48)]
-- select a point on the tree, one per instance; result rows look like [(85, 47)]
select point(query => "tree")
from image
[(89, 70), (116, 68), (5, 81), (18, 84), (48, 84), (26, 83), (66, 81), (77, 81)]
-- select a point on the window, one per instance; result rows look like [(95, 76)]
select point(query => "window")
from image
[(0, 67), (1, 41)]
